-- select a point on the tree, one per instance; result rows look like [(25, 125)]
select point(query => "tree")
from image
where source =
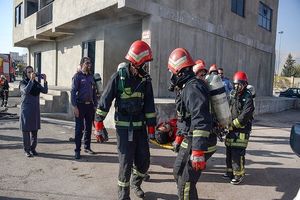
[(297, 70), (20, 68), (289, 67)]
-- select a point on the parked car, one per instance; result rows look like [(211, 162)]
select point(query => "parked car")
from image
[(291, 92)]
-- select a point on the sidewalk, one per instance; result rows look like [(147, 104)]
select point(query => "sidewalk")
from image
[(273, 170)]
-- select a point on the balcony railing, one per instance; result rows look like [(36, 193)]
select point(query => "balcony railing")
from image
[(44, 16)]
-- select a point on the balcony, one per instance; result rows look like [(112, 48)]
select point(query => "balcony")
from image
[(44, 16), (51, 22)]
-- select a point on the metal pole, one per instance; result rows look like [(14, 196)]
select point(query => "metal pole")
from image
[(280, 34)]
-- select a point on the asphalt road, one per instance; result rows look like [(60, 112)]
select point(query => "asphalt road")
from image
[(272, 169)]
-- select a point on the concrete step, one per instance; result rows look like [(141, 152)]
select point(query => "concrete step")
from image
[(42, 101), (54, 101), (61, 116), (54, 92), (45, 105), (47, 96)]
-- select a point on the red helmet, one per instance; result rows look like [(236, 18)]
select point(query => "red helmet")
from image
[(179, 58), (213, 68), (200, 65), (139, 53), (240, 77)]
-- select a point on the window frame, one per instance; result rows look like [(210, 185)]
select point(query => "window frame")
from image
[(18, 14), (265, 20), (234, 7)]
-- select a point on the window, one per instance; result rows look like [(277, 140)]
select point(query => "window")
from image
[(264, 16), (44, 3), (237, 6), (18, 14), (88, 50), (31, 7)]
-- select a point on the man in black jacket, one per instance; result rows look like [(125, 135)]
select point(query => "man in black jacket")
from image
[(132, 88), (242, 109), (194, 123)]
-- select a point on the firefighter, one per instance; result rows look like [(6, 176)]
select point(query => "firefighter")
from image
[(199, 69), (201, 72), (242, 109), (194, 123), (166, 131), (4, 88), (213, 69), (135, 112)]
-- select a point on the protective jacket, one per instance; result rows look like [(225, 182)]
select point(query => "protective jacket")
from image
[(242, 109), (194, 118), (134, 102)]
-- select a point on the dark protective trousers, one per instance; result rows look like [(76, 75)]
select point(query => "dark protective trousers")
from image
[(84, 122), (185, 176), (4, 97), (134, 159), (29, 144), (236, 144)]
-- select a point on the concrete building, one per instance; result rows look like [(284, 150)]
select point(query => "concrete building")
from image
[(234, 34), (17, 58)]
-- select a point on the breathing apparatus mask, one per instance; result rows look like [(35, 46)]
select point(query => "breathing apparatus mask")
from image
[(143, 70), (239, 86), (181, 78), (172, 83)]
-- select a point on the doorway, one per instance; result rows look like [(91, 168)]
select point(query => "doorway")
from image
[(88, 50)]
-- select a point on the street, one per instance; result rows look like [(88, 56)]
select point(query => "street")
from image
[(272, 169)]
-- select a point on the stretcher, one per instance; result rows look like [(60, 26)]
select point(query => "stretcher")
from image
[(165, 146)]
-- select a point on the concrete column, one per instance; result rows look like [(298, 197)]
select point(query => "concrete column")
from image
[(150, 34), (99, 59), (28, 57), (56, 63)]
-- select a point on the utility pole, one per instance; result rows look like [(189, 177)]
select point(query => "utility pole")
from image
[(280, 34)]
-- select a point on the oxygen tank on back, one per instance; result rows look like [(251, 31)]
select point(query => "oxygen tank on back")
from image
[(219, 101), (253, 92), (98, 82)]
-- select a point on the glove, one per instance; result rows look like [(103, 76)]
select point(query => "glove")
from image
[(198, 160), (177, 142), (100, 132), (151, 132)]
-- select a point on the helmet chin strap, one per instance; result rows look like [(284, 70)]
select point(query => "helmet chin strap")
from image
[(180, 79), (240, 88), (140, 71)]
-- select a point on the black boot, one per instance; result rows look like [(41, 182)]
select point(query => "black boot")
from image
[(136, 182), (146, 177), (237, 180), (138, 191), (123, 193), (227, 176)]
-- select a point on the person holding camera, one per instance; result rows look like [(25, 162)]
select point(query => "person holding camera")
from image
[(30, 120)]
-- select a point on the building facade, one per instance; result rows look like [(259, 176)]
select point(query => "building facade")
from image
[(234, 34)]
